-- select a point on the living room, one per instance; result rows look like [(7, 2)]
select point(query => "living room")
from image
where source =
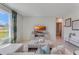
[(32, 29)]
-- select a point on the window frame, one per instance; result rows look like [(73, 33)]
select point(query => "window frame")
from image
[(7, 10)]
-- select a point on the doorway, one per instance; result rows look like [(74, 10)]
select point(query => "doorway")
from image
[(58, 29)]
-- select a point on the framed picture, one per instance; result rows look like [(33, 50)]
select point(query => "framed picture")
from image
[(68, 22), (75, 25)]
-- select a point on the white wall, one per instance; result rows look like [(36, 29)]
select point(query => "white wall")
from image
[(74, 16), (29, 22), (19, 28)]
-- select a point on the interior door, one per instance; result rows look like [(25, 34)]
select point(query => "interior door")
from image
[(58, 30)]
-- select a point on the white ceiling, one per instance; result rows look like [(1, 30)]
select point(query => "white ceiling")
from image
[(42, 9)]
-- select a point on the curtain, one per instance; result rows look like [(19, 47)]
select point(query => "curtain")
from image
[(14, 18)]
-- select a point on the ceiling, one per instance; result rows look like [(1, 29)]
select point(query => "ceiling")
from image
[(42, 9)]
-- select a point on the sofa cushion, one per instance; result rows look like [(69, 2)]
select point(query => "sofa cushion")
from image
[(43, 50), (60, 49), (46, 49)]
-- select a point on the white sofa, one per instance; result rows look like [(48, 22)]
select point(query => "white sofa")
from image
[(22, 48), (9, 48), (56, 50), (74, 40), (61, 50)]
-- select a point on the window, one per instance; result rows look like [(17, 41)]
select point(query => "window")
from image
[(4, 27)]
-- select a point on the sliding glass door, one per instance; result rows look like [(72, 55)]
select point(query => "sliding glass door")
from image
[(5, 27)]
